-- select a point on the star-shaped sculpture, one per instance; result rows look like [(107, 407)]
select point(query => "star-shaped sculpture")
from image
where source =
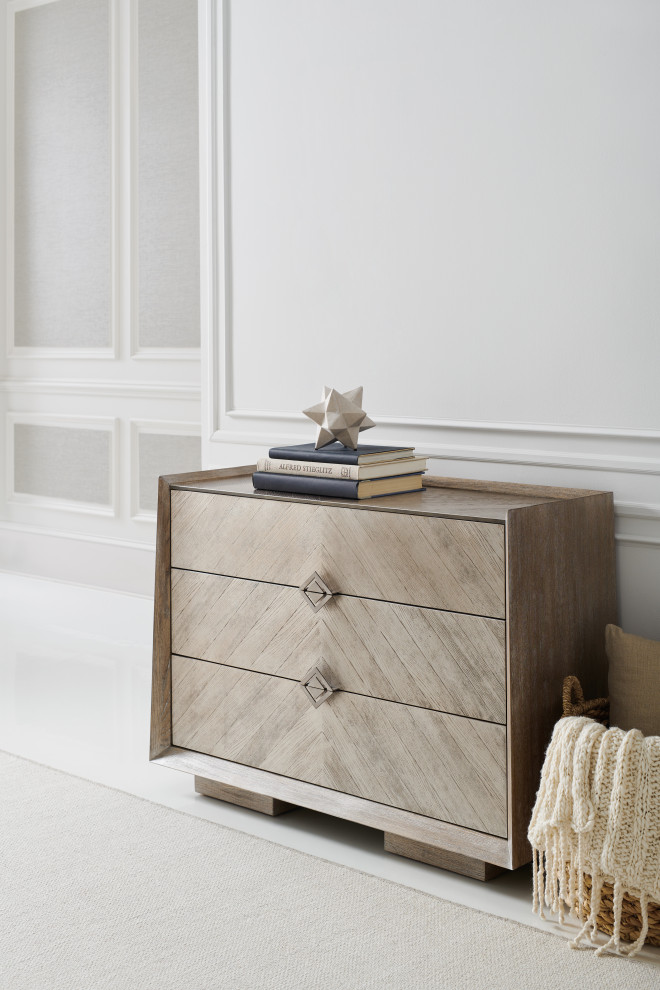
[(339, 416)]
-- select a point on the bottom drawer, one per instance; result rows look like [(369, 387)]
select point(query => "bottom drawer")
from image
[(443, 766)]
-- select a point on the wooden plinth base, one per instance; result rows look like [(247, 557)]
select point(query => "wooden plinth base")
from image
[(409, 848), (455, 862), (246, 799)]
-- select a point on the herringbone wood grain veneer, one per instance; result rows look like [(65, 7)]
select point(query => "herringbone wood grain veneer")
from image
[(451, 564), (424, 585), (419, 656), (438, 765)]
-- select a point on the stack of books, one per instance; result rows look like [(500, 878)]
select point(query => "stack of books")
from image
[(339, 471)]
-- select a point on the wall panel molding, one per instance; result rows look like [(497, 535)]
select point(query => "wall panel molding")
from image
[(139, 353), (67, 387), (626, 460), (13, 349), (93, 423), (595, 449), (165, 298), (215, 223), (124, 116), (103, 387), (629, 540), (159, 427), (639, 510), (225, 420)]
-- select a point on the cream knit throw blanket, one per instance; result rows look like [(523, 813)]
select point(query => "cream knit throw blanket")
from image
[(597, 812)]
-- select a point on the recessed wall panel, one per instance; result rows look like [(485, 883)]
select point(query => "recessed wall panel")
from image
[(163, 453), (455, 205), (168, 174), (62, 187), (63, 462)]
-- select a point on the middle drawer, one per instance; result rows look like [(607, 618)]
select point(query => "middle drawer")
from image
[(418, 656)]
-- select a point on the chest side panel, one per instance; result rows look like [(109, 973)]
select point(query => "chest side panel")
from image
[(562, 594)]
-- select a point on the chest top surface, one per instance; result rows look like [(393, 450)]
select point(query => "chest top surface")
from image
[(442, 497)]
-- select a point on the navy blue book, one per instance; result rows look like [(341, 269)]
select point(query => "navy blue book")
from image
[(305, 485), (337, 453)]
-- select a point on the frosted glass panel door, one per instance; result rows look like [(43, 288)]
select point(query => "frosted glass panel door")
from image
[(62, 176)]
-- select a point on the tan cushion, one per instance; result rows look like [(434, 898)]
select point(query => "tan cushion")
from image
[(634, 681)]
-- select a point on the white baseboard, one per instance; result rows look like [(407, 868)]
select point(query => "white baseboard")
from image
[(118, 565)]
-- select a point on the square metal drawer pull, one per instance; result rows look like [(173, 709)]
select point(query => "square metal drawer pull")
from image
[(315, 591), (316, 687)]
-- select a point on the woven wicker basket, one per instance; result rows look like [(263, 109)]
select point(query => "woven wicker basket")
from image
[(631, 912), (574, 704)]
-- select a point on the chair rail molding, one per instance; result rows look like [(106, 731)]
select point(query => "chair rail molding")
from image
[(130, 389)]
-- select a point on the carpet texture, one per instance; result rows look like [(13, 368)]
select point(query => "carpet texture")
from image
[(100, 889)]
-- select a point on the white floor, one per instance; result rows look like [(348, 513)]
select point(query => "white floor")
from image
[(75, 676)]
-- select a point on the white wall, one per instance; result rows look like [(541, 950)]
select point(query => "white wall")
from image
[(455, 204), (100, 361)]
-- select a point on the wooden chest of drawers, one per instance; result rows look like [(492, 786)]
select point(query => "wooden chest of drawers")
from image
[(397, 662)]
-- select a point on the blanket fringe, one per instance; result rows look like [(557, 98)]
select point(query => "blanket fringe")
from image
[(614, 943), (637, 945), (592, 832)]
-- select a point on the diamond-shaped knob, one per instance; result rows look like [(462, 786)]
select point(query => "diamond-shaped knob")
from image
[(316, 687), (315, 591)]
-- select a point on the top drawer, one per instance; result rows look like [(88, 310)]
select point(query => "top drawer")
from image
[(451, 564)]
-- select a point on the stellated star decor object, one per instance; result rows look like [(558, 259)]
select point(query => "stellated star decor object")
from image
[(339, 416)]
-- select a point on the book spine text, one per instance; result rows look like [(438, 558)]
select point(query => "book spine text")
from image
[(315, 469)]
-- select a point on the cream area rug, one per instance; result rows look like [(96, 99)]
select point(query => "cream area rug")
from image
[(100, 889)]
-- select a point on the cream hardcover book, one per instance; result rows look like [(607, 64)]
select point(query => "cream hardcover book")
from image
[(344, 472)]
